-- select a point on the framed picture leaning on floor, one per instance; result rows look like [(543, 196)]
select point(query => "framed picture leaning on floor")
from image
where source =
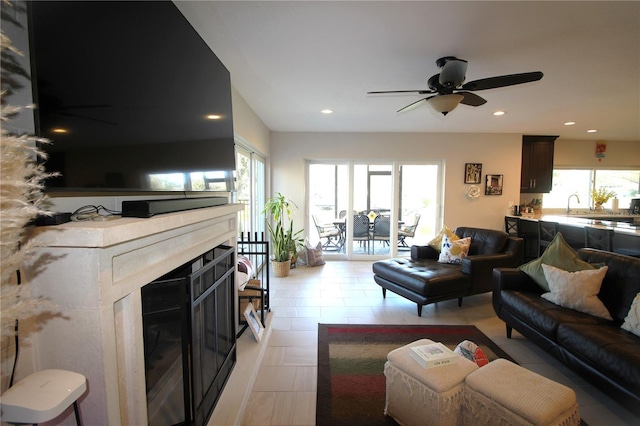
[(254, 321)]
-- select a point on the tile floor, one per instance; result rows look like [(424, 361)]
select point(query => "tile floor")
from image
[(284, 392)]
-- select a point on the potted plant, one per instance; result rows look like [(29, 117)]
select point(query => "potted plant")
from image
[(601, 196), (284, 241)]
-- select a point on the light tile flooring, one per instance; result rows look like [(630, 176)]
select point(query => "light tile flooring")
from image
[(284, 391)]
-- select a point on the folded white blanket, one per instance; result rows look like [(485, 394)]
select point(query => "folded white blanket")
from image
[(243, 280)]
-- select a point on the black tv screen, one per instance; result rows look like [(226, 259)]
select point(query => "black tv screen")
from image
[(131, 97)]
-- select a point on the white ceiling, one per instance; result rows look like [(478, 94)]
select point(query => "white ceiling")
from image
[(289, 60)]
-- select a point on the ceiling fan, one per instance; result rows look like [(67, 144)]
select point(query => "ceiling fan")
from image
[(450, 90)]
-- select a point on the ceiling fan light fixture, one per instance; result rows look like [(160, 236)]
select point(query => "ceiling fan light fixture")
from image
[(444, 104)]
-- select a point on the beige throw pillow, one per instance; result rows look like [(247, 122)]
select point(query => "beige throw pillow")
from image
[(576, 290), (632, 320)]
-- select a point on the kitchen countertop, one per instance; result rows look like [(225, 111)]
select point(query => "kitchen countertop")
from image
[(580, 222)]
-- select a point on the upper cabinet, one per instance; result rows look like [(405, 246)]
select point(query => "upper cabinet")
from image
[(537, 164)]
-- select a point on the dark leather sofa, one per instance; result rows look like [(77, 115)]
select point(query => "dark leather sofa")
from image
[(422, 279), (596, 348)]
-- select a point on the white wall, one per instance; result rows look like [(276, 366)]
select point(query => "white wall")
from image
[(498, 153), (582, 154), (247, 125)]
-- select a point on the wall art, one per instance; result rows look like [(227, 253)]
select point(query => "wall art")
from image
[(493, 185), (472, 172)]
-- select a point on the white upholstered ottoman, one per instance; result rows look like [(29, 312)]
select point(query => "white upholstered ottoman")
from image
[(419, 396), (503, 393)]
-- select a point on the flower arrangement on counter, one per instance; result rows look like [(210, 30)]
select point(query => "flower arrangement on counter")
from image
[(601, 196)]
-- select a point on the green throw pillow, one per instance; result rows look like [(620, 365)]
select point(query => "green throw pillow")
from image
[(558, 254)]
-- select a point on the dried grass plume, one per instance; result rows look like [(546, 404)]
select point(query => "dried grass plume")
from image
[(21, 200)]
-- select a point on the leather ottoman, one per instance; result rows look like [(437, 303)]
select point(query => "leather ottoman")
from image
[(421, 282)]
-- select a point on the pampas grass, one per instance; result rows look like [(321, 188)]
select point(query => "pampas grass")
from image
[(21, 201)]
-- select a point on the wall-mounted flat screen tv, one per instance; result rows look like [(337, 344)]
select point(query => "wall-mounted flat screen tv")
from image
[(131, 97)]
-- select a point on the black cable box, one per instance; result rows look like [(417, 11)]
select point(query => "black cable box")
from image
[(148, 208)]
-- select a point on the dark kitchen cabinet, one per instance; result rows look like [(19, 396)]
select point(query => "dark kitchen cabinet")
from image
[(537, 164)]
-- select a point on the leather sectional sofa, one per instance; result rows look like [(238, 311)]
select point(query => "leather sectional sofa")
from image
[(596, 348), (424, 280)]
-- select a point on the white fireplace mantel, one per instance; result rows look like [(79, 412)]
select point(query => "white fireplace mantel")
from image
[(93, 273)]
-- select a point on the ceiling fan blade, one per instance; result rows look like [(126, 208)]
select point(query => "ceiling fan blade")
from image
[(471, 99), (453, 72), (420, 92), (414, 105), (502, 81)]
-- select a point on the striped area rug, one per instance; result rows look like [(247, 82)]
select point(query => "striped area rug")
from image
[(351, 381)]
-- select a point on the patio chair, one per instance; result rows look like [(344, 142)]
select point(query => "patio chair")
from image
[(361, 229), (407, 232), (330, 233), (381, 230)]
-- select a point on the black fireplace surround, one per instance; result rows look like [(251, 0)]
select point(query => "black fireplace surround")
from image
[(189, 338)]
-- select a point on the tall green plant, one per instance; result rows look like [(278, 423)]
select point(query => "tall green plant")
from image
[(283, 240)]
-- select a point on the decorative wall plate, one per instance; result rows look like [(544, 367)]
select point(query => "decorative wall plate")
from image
[(473, 192)]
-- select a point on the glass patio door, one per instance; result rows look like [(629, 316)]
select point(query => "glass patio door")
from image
[(379, 210)]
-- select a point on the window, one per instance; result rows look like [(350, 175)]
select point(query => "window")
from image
[(625, 183), (250, 190)]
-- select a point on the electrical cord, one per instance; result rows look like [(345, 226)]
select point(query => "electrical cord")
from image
[(90, 212), (15, 337), (15, 357)]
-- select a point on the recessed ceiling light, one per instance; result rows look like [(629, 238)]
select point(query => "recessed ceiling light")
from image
[(327, 111), (591, 131), (214, 117), (59, 130), (499, 113), (569, 123)]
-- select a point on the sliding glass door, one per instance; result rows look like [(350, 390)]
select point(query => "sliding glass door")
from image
[(360, 210), (250, 190)]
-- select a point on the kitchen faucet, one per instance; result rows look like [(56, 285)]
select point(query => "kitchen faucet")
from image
[(569, 200)]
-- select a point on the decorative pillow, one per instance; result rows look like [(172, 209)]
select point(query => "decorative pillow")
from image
[(245, 271), (558, 254), (632, 321), (576, 290), (472, 352), (436, 243), (454, 251), (245, 265)]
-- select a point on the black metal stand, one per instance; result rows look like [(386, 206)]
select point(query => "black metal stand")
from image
[(256, 249)]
